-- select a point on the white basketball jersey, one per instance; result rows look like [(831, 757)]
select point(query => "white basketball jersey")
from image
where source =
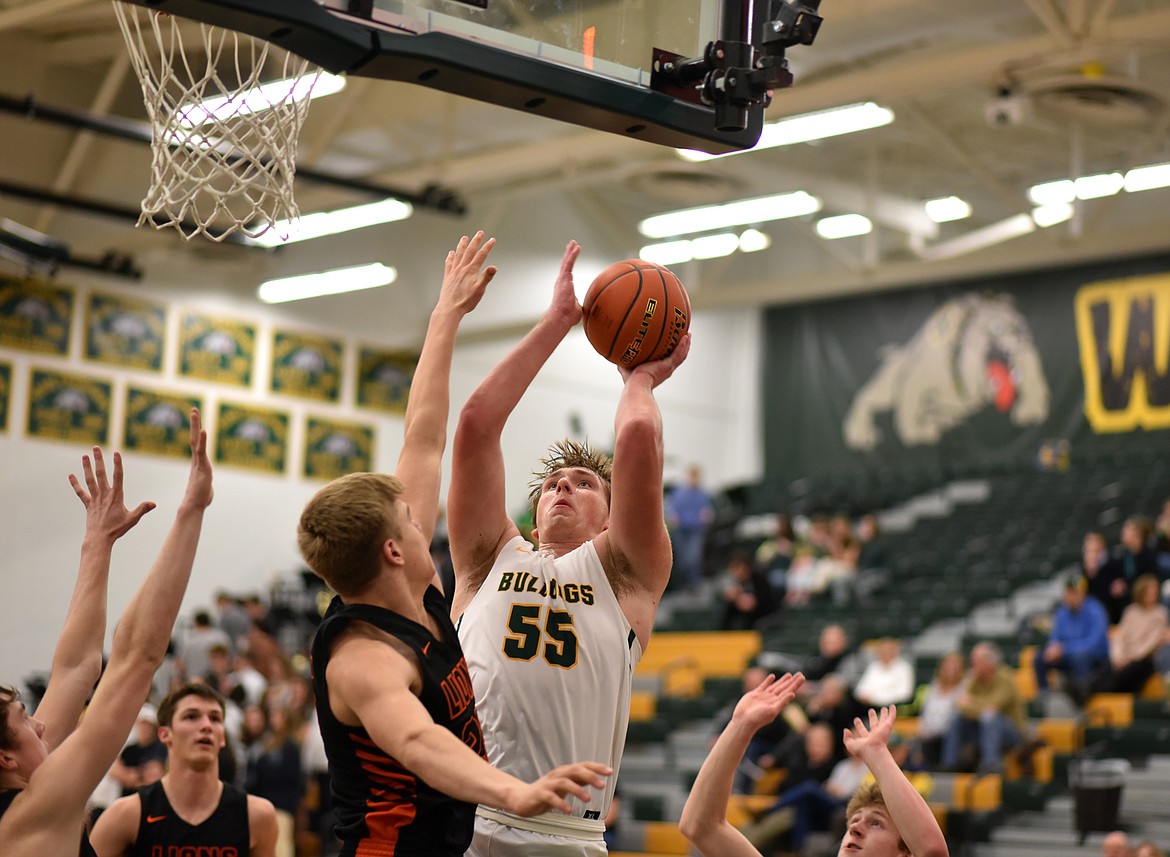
[(552, 658)]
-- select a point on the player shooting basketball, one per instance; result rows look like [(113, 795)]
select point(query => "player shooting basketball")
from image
[(393, 696), (552, 635)]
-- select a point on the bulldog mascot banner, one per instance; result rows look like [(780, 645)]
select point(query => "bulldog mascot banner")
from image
[(972, 373)]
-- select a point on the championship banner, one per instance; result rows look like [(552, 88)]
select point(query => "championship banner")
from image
[(256, 438), (125, 331), (5, 393), (35, 315), (159, 423), (334, 448), (217, 349), (306, 366), (72, 408), (384, 379)]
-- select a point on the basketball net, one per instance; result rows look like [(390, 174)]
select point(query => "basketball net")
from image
[(224, 146)]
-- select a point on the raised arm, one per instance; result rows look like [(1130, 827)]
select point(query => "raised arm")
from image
[(420, 462), (704, 817), (77, 659), (477, 515), (637, 546), (371, 682), (45, 819), (909, 811)]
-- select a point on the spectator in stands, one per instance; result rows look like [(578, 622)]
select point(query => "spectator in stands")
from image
[(1138, 635), (800, 583), (143, 760), (196, 645), (888, 679), (1162, 530), (833, 655), (1148, 849), (219, 669), (1115, 844), (249, 678), (809, 764), (274, 773), (774, 554), (747, 595), (936, 710), (232, 619), (689, 512), (1133, 558), (874, 553), (1078, 645), (834, 704), (988, 713), (1100, 575)]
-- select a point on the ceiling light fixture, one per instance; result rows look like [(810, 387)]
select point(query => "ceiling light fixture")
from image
[(705, 247), (844, 226), (808, 127), (333, 282), (260, 98), (321, 223), (1148, 177), (947, 208), (744, 212)]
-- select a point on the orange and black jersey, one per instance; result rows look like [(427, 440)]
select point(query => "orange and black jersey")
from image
[(383, 810), (161, 833)]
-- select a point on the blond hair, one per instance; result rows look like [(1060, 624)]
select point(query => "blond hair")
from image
[(343, 528), (8, 696), (867, 795), (564, 455)]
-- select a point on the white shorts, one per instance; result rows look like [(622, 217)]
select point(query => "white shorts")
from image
[(493, 839)]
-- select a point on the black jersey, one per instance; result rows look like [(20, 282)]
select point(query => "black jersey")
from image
[(382, 808), (161, 833)]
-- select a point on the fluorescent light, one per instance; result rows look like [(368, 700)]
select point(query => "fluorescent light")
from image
[(1052, 193), (1052, 214), (333, 282), (844, 226), (753, 240), (668, 252), (321, 223), (744, 212), (715, 246), (810, 126), (947, 208), (260, 98), (1147, 178), (1097, 186)]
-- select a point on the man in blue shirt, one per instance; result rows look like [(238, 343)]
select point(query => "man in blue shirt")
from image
[(1079, 643), (688, 513)]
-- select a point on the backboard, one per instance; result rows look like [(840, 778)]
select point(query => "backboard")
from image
[(587, 62)]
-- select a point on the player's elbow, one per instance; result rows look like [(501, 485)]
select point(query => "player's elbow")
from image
[(478, 422), (698, 827), (639, 433), (935, 847)]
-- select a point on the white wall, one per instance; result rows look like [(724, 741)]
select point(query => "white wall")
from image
[(711, 411)]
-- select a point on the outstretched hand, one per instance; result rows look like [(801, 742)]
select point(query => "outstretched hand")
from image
[(550, 791), (761, 706), (564, 304), (862, 739), (105, 510), (464, 274), (659, 370), (199, 491)]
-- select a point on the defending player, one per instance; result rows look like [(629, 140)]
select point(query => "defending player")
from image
[(188, 811), (394, 700), (887, 818), (552, 636), (47, 768)]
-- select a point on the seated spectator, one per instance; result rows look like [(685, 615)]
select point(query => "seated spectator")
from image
[(747, 595), (143, 760), (274, 772), (833, 655), (839, 573), (774, 553), (888, 679), (988, 714), (1132, 558), (1115, 844), (936, 710), (809, 764), (1148, 849), (1100, 575), (874, 553), (1078, 645), (1138, 635), (801, 582), (833, 704)]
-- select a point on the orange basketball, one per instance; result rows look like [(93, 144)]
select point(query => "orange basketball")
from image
[(635, 311)]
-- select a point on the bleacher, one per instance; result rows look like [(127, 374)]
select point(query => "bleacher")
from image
[(976, 557)]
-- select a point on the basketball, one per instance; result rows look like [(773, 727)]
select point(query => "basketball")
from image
[(635, 311)]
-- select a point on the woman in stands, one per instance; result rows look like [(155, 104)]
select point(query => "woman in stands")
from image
[(1138, 635), (888, 818)]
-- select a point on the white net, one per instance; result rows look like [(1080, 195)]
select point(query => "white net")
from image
[(224, 142)]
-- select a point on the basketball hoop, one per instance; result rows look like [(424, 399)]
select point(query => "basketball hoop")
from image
[(224, 142)]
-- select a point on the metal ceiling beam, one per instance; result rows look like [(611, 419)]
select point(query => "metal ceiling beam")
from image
[(1053, 20), (36, 10)]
